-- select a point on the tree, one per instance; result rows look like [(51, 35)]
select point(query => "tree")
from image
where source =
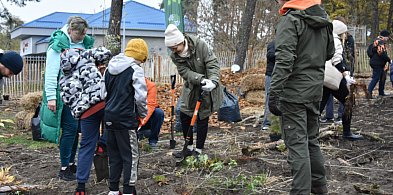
[(375, 24), (113, 38), (244, 35), (389, 25), (7, 23), (5, 34)]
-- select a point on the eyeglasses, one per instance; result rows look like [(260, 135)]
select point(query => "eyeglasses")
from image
[(174, 47)]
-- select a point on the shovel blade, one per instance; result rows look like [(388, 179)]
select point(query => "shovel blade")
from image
[(172, 144), (101, 166)]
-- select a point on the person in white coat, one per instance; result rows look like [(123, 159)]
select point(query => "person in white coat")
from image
[(339, 28)]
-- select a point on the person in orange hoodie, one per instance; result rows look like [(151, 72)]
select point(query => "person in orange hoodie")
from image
[(155, 116), (304, 41)]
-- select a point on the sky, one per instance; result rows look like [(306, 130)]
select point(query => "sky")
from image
[(35, 10)]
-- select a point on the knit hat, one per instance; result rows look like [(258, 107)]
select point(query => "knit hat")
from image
[(339, 27), (137, 49), (384, 33), (173, 36), (12, 61)]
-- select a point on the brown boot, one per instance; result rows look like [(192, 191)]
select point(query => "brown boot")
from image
[(319, 190)]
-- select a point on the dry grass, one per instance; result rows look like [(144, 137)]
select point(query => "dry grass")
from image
[(252, 82), (30, 101)]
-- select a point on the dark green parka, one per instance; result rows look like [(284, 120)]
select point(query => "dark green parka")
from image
[(202, 63), (304, 41)]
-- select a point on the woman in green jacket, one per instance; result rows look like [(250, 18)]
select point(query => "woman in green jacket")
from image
[(55, 115), (197, 65)]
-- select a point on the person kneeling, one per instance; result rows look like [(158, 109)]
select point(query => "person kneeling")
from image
[(155, 116)]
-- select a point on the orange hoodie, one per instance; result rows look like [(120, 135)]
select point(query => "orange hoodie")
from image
[(298, 5), (151, 99)]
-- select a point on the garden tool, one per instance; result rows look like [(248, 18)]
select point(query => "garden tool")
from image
[(172, 142), (101, 160), (189, 131)]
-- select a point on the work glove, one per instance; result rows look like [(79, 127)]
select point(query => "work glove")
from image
[(350, 80), (274, 104), (208, 85)]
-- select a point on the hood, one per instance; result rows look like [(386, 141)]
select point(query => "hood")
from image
[(65, 30), (120, 63), (308, 10)]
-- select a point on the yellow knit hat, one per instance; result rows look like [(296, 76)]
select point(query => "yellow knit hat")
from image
[(137, 49)]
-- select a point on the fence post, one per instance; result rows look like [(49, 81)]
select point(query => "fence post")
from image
[(25, 84)]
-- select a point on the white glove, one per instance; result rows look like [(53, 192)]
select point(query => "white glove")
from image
[(209, 85), (1, 51), (350, 80)]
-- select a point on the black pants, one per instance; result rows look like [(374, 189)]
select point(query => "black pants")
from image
[(340, 95), (202, 126), (123, 155)]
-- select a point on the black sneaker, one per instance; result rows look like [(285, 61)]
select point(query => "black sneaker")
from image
[(66, 175), (196, 154), (73, 168), (353, 137), (180, 154)]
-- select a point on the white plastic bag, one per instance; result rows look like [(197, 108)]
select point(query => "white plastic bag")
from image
[(333, 77)]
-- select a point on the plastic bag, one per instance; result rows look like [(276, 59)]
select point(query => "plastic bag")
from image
[(35, 124), (229, 109)]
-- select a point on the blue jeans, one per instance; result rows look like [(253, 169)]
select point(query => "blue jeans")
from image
[(330, 109), (154, 124), (69, 137), (90, 128), (266, 121), (377, 77)]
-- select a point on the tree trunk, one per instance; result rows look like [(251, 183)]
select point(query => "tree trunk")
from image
[(389, 24), (375, 25), (244, 34), (113, 38)]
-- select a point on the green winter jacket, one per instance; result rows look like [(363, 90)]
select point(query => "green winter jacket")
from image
[(202, 63), (304, 41), (49, 121)]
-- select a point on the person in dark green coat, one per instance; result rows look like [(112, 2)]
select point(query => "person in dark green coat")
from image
[(197, 65), (304, 41), (54, 115)]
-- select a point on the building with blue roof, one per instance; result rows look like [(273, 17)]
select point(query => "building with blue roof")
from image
[(138, 20)]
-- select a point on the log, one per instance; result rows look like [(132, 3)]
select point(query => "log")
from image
[(369, 189), (249, 150), (373, 137), (326, 133)]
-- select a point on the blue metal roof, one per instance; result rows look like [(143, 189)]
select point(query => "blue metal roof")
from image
[(138, 16), (54, 20)]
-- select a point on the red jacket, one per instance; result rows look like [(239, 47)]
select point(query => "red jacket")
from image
[(151, 99)]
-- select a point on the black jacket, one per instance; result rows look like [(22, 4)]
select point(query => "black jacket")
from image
[(271, 58), (377, 60), (126, 94)]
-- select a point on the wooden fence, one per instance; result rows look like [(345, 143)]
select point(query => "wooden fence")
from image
[(157, 68)]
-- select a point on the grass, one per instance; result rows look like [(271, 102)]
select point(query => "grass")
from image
[(25, 139), (275, 127)]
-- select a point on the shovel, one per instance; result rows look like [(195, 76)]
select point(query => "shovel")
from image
[(189, 131), (172, 142), (101, 162)]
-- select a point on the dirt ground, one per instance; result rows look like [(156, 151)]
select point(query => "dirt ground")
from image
[(361, 167)]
